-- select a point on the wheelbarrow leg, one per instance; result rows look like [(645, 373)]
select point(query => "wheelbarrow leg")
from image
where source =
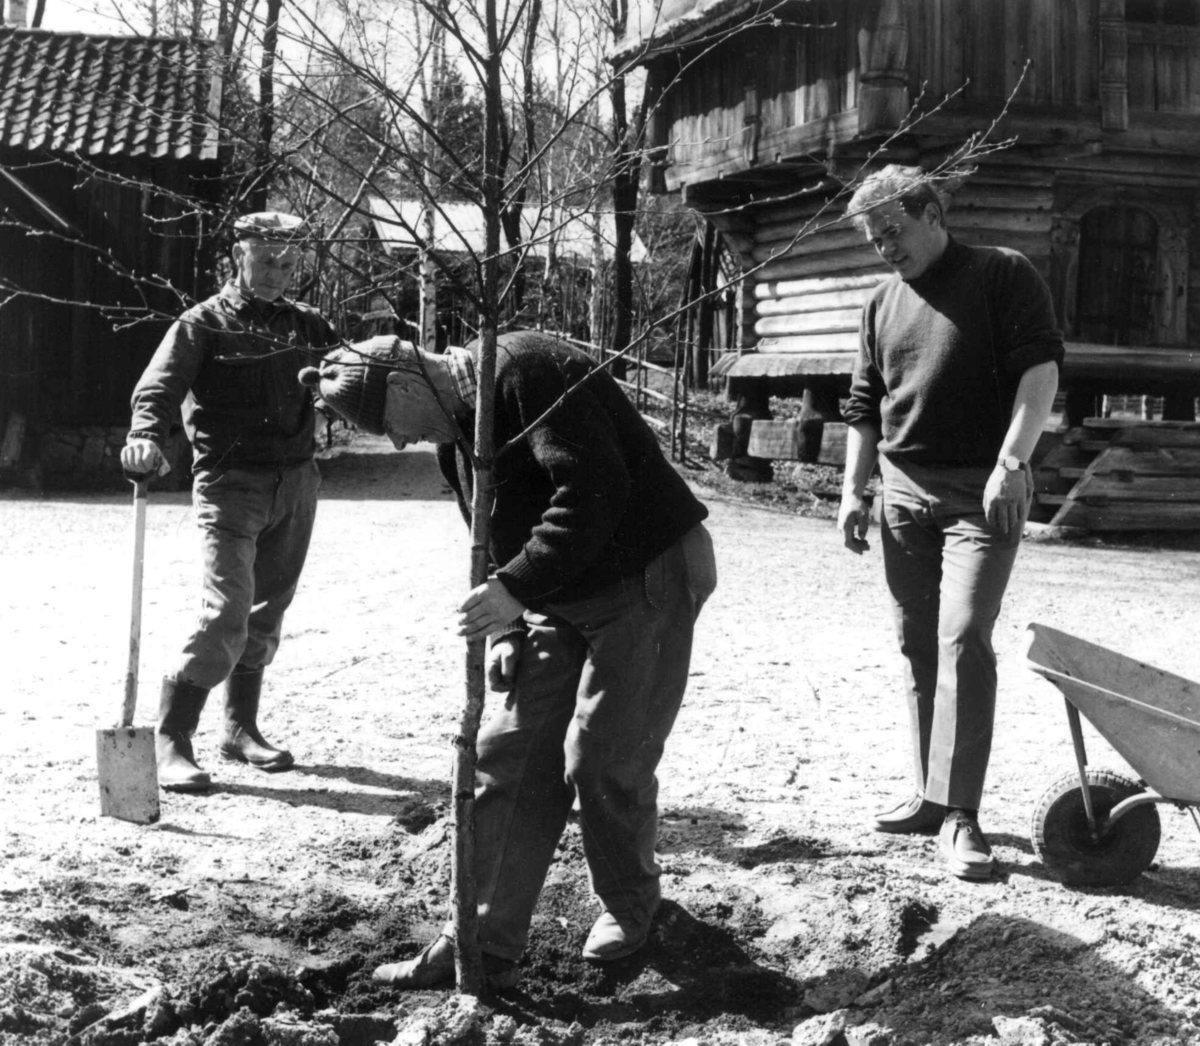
[(1081, 762)]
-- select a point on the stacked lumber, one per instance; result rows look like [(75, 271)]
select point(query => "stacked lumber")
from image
[(792, 440), (1122, 474)]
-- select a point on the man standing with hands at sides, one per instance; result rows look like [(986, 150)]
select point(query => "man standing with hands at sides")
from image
[(229, 364), (956, 376), (601, 565)]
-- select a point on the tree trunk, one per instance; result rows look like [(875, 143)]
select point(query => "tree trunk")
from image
[(511, 214), (627, 143), (259, 191), (596, 301), (428, 280), (624, 194), (468, 961)]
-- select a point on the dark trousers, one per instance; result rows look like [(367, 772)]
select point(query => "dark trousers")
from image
[(947, 571), (599, 683), (255, 527)]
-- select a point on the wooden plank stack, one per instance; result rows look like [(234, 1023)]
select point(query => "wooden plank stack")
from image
[(817, 442), (1122, 474)]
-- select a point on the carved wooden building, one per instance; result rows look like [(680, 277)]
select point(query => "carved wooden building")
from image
[(765, 113)]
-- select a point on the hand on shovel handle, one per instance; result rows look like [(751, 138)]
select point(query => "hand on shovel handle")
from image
[(125, 754), (135, 604), (143, 458)]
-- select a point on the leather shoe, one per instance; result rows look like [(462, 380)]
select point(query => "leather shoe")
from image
[(614, 937), (915, 815), (964, 848), (434, 968)]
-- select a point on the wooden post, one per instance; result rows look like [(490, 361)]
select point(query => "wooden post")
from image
[(753, 404), (14, 434), (812, 425), (709, 271), (883, 99), (1114, 66)]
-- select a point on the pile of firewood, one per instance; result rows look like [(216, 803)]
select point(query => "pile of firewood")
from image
[(1120, 474)]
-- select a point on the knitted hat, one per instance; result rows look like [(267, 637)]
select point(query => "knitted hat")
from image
[(352, 380)]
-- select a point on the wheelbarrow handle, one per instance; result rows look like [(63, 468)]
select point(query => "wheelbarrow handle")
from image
[(135, 605)]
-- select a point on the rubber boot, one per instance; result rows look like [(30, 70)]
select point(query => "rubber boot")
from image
[(242, 741), (179, 710)]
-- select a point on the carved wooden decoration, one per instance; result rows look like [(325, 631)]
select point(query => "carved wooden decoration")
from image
[(883, 91), (1114, 66)]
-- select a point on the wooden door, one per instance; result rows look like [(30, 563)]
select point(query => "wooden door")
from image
[(1117, 297)]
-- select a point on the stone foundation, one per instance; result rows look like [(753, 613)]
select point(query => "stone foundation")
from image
[(88, 457)]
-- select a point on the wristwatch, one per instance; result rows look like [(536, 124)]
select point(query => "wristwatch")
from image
[(1011, 463)]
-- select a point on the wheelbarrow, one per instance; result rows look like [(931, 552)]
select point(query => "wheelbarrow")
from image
[(1096, 827)]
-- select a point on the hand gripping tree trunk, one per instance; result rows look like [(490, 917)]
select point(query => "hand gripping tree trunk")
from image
[(468, 961)]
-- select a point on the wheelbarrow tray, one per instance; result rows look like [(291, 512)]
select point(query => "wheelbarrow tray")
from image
[(1151, 717)]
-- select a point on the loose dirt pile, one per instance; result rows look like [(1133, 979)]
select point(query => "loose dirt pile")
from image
[(252, 916)]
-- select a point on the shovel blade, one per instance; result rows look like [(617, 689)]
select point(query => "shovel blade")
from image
[(128, 774)]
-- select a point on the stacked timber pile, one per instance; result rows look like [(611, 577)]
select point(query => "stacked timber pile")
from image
[(1122, 474), (815, 442)]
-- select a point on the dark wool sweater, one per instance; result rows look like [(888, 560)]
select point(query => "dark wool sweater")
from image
[(587, 497), (941, 356), (230, 363)]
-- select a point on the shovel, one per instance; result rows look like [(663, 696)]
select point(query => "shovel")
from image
[(125, 754)]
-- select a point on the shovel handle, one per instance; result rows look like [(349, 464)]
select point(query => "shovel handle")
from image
[(135, 606)]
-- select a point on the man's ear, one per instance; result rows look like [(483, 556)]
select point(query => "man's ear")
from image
[(934, 216), (237, 253)]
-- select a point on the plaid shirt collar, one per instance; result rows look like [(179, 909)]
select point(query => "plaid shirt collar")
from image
[(462, 373)]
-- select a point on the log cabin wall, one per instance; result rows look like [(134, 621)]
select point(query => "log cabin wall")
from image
[(1163, 56), (816, 272), (759, 92), (1003, 207), (980, 48), (752, 96)]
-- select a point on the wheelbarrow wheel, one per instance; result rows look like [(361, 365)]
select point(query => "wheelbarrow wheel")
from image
[(1062, 840)]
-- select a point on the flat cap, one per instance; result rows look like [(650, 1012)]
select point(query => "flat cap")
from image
[(274, 226)]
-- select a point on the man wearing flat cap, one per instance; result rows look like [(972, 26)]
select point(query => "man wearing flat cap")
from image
[(229, 365)]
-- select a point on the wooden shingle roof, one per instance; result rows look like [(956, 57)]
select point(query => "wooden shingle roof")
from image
[(654, 26), (97, 96)]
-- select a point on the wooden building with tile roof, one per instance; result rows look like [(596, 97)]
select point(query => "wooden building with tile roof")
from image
[(110, 163)]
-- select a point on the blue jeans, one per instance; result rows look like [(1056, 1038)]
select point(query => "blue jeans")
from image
[(255, 527), (947, 571), (599, 683)]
